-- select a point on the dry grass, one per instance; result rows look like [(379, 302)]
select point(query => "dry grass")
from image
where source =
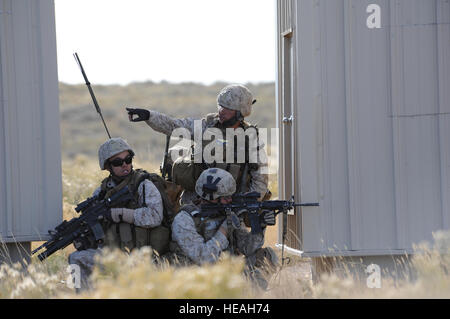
[(135, 276)]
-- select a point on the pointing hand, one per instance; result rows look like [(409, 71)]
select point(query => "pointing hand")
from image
[(142, 115)]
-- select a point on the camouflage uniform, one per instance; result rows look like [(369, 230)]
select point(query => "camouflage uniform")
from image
[(165, 124), (148, 215), (198, 240), (232, 97), (207, 248), (151, 215)]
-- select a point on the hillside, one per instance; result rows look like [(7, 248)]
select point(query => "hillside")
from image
[(82, 131)]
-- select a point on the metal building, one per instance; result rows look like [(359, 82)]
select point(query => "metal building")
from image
[(363, 103), (30, 159)]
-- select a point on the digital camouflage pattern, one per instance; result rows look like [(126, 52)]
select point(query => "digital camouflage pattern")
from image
[(226, 186), (165, 124), (151, 215), (236, 97), (192, 244), (110, 148), (207, 249), (85, 259), (146, 217)]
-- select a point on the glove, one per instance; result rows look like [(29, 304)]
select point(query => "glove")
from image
[(119, 215), (267, 217), (142, 115)]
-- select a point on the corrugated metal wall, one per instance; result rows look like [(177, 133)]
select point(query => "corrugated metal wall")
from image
[(373, 123), (30, 160)]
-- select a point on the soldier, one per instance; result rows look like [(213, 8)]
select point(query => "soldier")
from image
[(140, 221), (234, 103), (199, 237)]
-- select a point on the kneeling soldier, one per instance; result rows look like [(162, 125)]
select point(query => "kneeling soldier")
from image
[(132, 225)]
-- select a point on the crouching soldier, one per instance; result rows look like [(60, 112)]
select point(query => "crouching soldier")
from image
[(200, 236), (134, 224)]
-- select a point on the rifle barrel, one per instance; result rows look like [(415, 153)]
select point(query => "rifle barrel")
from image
[(307, 204)]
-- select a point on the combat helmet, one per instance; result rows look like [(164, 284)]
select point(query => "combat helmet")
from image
[(112, 147), (214, 183), (236, 97)]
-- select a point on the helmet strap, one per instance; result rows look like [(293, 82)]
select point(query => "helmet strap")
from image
[(119, 179), (236, 118)]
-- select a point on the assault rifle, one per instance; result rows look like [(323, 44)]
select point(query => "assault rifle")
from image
[(86, 230), (247, 205)]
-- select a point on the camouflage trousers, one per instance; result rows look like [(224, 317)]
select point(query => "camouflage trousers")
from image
[(83, 261), (260, 265)]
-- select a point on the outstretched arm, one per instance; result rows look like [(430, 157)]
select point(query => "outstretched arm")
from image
[(165, 124), (160, 122)]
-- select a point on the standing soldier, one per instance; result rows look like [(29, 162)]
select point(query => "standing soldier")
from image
[(200, 236), (234, 103), (137, 223)]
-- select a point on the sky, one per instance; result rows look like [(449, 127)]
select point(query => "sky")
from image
[(203, 41)]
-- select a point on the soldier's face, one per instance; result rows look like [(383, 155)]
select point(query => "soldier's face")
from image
[(124, 169), (226, 114)]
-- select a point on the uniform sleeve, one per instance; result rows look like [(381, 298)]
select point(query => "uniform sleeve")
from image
[(165, 124), (152, 215), (193, 244), (260, 178), (247, 243)]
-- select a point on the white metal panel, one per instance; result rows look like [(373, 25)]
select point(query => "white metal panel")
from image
[(287, 99), (31, 195), (373, 123), (308, 118), (335, 198), (415, 108), (443, 60), (369, 130)]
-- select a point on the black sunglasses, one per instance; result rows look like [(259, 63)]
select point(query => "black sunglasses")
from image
[(117, 162)]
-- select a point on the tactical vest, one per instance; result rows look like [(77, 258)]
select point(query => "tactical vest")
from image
[(129, 236), (185, 172)]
